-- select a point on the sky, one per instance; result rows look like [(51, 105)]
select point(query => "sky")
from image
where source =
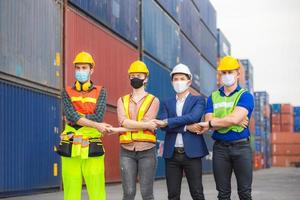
[(267, 32)]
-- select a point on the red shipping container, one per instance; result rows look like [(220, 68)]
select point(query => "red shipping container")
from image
[(276, 128), (285, 161), (252, 125), (112, 149), (276, 118), (286, 149), (285, 138), (287, 108), (286, 128), (287, 119), (112, 55), (258, 161)]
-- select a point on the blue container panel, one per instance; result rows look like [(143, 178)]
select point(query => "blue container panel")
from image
[(296, 110), (31, 41), (190, 57), (224, 46), (160, 169), (172, 7), (190, 22), (208, 78), (160, 34), (276, 108), (30, 124), (119, 15), (208, 45)]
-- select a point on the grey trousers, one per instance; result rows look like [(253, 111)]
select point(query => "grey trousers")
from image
[(141, 164)]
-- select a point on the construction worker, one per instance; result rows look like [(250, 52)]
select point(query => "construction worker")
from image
[(138, 147), (228, 110), (183, 149), (81, 144)]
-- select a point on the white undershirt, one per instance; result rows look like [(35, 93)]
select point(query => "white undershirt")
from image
[(179, 108)]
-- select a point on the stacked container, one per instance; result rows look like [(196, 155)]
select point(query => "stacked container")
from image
[(248, 74), (262, 127), (30, 88), (224, 46), (287, 118), (297, 119)]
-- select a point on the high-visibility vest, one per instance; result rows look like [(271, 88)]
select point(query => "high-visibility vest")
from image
[(223, 106), (142, 135), (84, 103)]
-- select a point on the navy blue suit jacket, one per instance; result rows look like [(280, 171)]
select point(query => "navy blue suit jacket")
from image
[(193, 110)]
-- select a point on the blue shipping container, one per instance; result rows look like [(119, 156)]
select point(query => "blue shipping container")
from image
[(207, 160), (208, 78), (224, 46), (296, 110), (190, 57), (208, 45), (276, 108), (172, 7), (119, 15), (190, 23), (160, 34), (31, 123), (31, 41)]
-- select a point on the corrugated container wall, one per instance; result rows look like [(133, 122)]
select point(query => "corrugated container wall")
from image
[(208, 45), (224, 46), (160, 34), (172, 7), (27, 156), (30, 39), (190, 57), (119, 15), (248, 74), (208, 78), (112, 56)]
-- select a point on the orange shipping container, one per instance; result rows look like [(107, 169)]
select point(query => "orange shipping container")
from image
[(285, 138), (285, 161), (286, 127), (286, 149), (276, 128), (276, 118), (258, 161), (286, 108), (287, 119), (252, 125)]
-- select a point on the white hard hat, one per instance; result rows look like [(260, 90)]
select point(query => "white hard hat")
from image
[(181, 69)]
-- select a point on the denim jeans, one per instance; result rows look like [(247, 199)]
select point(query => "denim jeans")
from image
[(141, 164), (235, 158)]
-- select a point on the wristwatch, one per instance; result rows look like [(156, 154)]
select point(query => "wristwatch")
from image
[(209, 124)]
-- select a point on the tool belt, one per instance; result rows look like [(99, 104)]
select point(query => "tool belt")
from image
[(65, 146)]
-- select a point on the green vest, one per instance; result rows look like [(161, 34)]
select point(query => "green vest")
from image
[(223, 106), (81, 137)]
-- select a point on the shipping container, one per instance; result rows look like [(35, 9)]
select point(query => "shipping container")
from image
[(287, 128), (190, 23), (224, 46), (208, 78), (208, 14), (160, 34), (160, 166), (208, 45), (112, 149), (285, 161), (297, 123), (276, 118), (112, 56), (31, 44), (276, 108), (285, 138), (190, 57), (287, 119), (242, 77), (297, 111), (276, 128), (207, 160), (31, 124), (286, 149), (121, 16), (248, 74), (172, 7), (258, 161), (287, 108)]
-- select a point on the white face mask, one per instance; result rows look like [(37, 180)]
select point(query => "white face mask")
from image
[(180, 86), (228, 79)]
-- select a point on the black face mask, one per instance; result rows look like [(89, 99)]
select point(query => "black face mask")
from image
[(137, 83)]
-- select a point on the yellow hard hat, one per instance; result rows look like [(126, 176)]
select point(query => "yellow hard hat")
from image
[(138, 67), (84, 57), (228, 63)]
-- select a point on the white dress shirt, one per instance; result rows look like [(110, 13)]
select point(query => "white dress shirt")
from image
[(179, 108)]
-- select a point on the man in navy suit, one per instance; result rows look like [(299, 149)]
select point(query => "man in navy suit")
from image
[(183, 148)]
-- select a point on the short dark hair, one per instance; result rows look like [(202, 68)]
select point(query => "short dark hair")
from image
[(188, 77)]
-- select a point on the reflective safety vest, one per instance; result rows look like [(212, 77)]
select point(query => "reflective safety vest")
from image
[(223, 106), (142, 135), (84, 103)]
